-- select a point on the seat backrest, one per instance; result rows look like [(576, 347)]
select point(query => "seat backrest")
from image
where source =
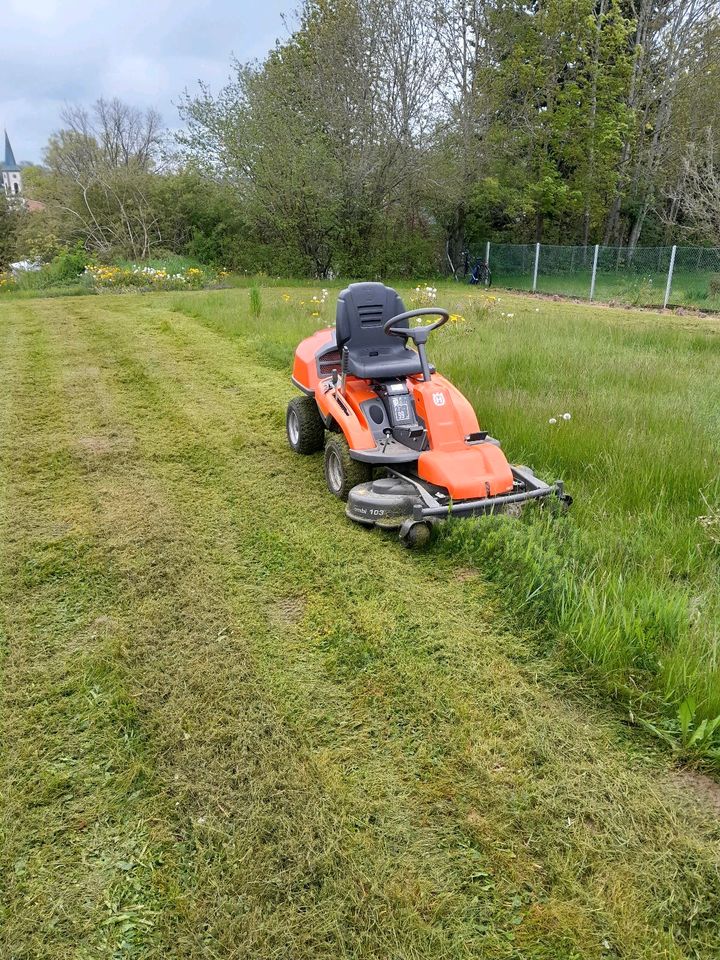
[(362, 310)]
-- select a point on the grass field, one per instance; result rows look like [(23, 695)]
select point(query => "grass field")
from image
[(236, 726), (631, 580), (695, 290)]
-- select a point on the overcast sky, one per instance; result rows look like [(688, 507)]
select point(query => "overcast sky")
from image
[(145, 53)]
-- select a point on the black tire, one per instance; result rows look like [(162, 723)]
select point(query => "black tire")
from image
[(416, 535), (342, 473), (305, 428)]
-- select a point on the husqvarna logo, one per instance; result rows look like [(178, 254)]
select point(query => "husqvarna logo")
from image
[(439, 399)]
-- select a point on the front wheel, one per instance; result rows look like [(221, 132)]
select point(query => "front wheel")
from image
[(305, 428), (342, 473), (415, 534)]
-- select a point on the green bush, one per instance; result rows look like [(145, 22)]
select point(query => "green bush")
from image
[(68, 265)]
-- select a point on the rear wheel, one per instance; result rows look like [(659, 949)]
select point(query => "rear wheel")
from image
[(305, 428), (342, 473)]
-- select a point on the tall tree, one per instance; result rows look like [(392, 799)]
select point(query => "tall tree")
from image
[(8, 232), (322, 139), (101, 166), (664, 40), (558, 82)]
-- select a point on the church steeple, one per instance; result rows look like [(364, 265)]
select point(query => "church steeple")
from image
[(10, 165), (10, 175)]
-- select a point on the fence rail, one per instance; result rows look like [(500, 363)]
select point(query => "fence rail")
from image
[(646, 276)]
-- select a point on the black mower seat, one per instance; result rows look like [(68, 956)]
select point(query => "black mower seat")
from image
[(362, 311), (383, 365)]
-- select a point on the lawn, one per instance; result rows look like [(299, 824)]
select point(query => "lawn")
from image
[(235, 725)]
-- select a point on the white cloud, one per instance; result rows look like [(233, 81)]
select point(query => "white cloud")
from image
[(144, 53)]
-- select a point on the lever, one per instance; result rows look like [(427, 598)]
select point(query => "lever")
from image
[(388, 433), (344, 359)]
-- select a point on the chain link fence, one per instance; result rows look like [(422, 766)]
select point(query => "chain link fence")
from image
[(646, 276)]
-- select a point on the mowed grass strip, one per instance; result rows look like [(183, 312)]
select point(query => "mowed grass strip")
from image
[(309, 742), (76, 842)]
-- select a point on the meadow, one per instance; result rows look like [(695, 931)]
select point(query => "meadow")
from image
[(628, 587), (695, 290), (236, 725)]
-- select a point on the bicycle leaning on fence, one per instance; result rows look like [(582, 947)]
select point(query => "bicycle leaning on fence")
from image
[(475, 270)]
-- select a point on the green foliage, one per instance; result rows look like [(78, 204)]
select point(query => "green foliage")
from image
[(8, 233), (66, 269), (561, 114), (690, 735), (75, 272), (67, 265)]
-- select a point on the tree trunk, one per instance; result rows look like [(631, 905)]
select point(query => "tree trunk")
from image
[(456, 236), (637, 227)]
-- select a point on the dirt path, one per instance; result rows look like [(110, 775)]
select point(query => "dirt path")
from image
[(236, 726)]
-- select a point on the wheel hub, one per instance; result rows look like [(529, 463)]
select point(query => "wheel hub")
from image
[(293, 427), (335, 476)]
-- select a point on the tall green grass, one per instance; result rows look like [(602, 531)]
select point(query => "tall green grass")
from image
[(627, 585), (633, 583)]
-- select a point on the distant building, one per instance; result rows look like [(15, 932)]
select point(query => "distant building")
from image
[(11, 174)]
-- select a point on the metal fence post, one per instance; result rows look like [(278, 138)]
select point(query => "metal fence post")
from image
[(670, 276), (594, 270), (537, 262), (487, 263)]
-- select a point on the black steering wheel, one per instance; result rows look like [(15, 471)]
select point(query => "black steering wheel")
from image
[(418, 334)]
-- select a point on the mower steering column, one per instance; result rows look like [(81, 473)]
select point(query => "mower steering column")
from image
[(418, 335)]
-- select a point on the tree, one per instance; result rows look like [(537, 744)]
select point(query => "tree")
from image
[(557, 82), (696, 197), (664, 39), (460, 155), (8, 232), (322, 140), (101, 166)]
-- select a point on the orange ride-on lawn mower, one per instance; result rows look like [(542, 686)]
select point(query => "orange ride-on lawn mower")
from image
[(402, 445)]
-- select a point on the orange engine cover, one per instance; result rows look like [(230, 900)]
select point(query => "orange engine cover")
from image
[(466, 472), (470, 473)]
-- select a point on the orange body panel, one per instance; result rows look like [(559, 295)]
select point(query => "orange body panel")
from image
[(466, 471), (343, 408), (345, 411), (305, 372), (469, 473)]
